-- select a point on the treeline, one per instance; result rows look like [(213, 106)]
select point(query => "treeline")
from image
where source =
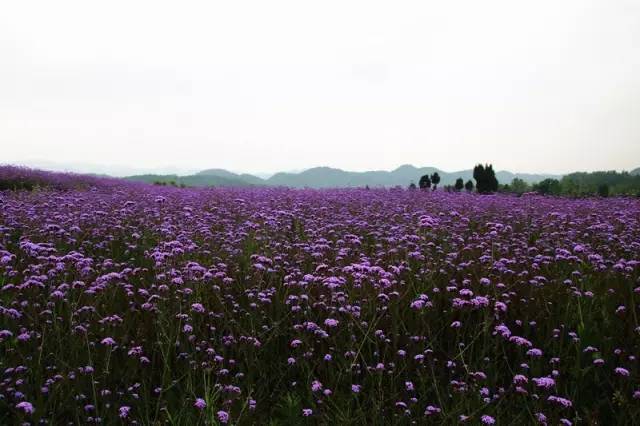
[(485, 177), (579, 184), (169, 183)]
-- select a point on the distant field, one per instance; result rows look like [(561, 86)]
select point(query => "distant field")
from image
[(124, 302)]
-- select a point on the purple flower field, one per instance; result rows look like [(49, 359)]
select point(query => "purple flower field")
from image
[(131, 303)]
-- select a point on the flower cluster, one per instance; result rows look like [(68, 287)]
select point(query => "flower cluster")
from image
[(143, 304)]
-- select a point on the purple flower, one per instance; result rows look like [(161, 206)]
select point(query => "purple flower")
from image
[(535, 352), (307, 412), (108, 341), (431, 410), (123, 412), (544, 382), (562, 401), (541, 418), (25, 406), (520, 379), (200, 404), (197, 307), (330, 322), (487, 420), (520, 341), (622, 372), (223, 416)]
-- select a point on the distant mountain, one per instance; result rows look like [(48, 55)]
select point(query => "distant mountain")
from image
[(191, 180), (635, 172), (327, 177), (250, 179)]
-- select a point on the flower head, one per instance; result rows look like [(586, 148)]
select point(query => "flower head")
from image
[(223, 416), (123, 411), (25, 406), (108, 341)]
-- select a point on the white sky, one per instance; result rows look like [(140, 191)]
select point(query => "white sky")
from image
[(259, 86)]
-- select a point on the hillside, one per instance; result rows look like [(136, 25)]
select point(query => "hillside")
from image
[(245, 177), (191, 180), (328, 177)]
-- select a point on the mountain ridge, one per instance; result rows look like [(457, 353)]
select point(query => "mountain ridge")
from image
[(331, 177)]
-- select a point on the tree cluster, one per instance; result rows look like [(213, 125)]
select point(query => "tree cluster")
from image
[(485, 177), (602, 184), (426, 181)]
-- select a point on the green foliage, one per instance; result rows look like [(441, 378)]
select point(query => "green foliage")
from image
[(17, 185), (603, 190), (188, 181), (425, 182), (548, 187), (435, 179), (519, 186), (459, 184), (485, 177), (584, 184), (469, 185), (287, 411)]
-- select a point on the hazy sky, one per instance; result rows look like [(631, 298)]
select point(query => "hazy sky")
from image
[(532, 86)]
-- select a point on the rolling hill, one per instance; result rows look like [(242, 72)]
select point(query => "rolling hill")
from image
[(327, 177), (190, 180)]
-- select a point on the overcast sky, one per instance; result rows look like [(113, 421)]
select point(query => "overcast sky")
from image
[(261, 86)]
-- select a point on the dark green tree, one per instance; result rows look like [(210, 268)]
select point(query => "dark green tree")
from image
[(459, 184), (469, 185), (478, 176), (435, 179), (603, 190), (491, 178), (519, 186), (548, 187), (425, 182), (485, 177), (412, 186)]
